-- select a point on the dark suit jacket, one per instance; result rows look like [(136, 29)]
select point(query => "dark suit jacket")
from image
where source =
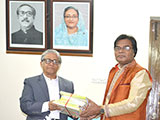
[(35, 93), (32, 36)]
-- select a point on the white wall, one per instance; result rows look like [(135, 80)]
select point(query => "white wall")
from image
[(111, 18)]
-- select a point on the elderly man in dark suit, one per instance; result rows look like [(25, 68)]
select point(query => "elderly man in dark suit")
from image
[(40, 91)]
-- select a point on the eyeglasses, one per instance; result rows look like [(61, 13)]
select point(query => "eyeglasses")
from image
[(69, 17), (48, 61), (28, 13), (125, 48)]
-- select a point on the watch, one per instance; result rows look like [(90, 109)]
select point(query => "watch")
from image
[(101, 111)]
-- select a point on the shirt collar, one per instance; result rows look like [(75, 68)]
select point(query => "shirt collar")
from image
[(127, 65), (48, 79), (120, 68)]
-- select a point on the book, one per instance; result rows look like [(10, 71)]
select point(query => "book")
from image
[(71, 104)]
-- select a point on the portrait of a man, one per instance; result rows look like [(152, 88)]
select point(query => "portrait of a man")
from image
[(27, 33)]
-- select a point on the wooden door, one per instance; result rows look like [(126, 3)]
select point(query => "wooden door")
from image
[(153, 106)]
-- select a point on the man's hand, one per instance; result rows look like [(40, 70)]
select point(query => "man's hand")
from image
[(53, 106), (90, 111), (88, 118)]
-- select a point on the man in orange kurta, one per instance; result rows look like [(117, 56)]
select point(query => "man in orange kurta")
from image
[(127, 88)]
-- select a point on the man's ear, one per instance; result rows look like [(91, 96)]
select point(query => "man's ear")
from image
[(41, 64), (133, 54)]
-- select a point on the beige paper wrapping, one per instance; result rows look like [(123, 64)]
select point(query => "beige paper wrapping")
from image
[(71, 103)]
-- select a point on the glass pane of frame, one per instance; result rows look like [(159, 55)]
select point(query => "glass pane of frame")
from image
[(26, 26), (72, 27)]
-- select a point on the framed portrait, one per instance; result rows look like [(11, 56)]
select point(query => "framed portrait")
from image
[(72, 27), (26, 26)]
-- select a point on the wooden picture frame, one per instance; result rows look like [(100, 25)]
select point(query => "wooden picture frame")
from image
[(26, 26), (79, 43), (48, 17)]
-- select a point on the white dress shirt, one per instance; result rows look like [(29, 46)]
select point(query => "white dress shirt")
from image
[(53, 89)]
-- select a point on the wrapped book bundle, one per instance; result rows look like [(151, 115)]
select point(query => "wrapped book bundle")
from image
[(71, 104)]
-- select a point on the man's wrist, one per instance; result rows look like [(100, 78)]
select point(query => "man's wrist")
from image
[(45, 107), (106, 109)]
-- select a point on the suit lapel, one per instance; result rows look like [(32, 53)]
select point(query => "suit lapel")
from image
[(122, 77), (61, 85), (117, 83), (43, 86)]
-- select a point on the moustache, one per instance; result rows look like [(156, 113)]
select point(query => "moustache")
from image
[(121, 56), (25, 19)]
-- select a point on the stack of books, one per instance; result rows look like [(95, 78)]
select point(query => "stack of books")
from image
[(71, 104)]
